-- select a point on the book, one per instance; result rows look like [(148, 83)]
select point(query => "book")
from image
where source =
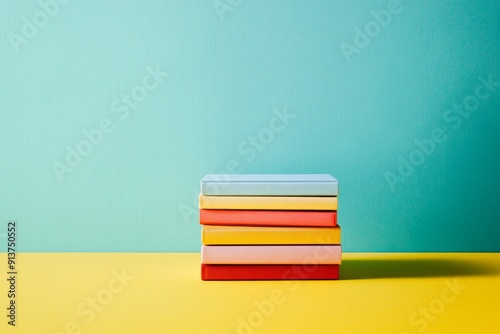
[(316, 203), (268, 218), (269, 272), (265, 235), (271, 254), (269, 185)]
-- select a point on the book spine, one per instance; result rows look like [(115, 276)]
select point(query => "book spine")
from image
[(243, 235), (269, 188), (269, 272), (268, 203), (271, 254), (268, 218)]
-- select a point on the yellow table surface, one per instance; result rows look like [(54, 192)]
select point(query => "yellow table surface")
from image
[(163, 293)]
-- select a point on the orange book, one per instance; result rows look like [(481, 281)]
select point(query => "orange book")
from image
[(268, 218)]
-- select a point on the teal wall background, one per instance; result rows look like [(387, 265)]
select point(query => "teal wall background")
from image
[(232, 65)]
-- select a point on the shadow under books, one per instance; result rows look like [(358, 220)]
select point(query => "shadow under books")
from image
[(352, 269)]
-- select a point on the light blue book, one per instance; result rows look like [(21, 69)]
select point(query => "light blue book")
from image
[(269, 185)]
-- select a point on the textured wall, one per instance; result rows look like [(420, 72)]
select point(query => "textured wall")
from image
[(111, 112)]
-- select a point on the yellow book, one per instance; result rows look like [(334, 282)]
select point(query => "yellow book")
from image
[(264, 235), (268, 203)]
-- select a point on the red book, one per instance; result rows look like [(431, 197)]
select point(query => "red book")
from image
[(268, 218), (216, 272)]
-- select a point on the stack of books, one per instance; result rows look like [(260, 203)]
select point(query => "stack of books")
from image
[(269, 227)]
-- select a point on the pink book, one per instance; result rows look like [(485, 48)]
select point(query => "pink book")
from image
[(271, 254)]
